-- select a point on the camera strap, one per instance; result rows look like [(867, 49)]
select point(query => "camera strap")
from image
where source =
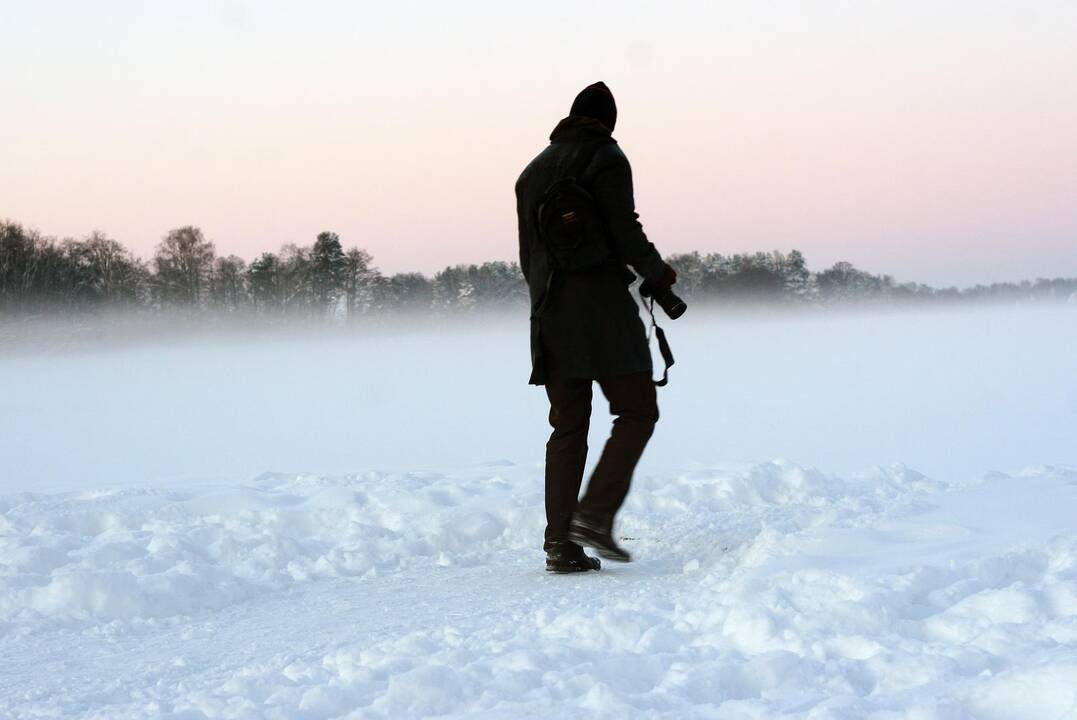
[(663, 344)]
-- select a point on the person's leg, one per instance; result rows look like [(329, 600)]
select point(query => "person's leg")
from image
[(566, 453), (634, 404)]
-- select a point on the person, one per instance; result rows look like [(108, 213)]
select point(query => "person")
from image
[(586, 328)]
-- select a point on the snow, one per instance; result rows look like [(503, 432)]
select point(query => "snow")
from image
[(147, 571)]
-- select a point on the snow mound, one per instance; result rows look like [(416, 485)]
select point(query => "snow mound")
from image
[(765, 591), (139, 554), (146, 553)]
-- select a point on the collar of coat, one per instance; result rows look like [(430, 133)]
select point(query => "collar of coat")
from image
[(577, 127)]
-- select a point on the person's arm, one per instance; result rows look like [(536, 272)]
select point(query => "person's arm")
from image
[(612, 186), (525, 244)]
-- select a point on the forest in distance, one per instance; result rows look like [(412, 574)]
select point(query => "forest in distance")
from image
[(41, 276)]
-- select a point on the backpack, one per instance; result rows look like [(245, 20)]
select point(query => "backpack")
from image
[(570, 222)]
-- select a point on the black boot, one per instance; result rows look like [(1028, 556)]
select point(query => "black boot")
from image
[(568, 557), (596, 532)]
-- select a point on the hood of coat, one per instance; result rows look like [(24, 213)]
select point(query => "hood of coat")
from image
[(577, 127), (596, 101)]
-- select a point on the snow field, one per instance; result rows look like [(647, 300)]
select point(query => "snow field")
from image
[(759, 591), (151, 567)]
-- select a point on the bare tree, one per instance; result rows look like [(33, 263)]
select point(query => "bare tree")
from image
[(105, 271), (182, 263), (360, 281), (228, 283), (297, 295)]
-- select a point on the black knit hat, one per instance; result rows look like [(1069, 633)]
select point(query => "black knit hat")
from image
[(596, 101)]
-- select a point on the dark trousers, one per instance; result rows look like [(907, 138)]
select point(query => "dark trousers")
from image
[(634, 404)]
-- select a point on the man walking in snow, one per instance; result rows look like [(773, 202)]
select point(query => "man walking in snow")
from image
[(578, 233)]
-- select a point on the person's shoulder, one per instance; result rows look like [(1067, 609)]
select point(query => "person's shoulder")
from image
[(536, 170), (529, 169), (609, 155)]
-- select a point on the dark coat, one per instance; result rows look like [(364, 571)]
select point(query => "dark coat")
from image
[(590, 326)]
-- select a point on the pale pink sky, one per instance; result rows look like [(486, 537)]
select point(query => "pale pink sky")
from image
[(932, 141)]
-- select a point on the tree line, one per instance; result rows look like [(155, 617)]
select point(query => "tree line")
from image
[(784, 277), (40, 274)]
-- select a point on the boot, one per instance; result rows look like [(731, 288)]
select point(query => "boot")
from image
[(593, 531), (568, 557)]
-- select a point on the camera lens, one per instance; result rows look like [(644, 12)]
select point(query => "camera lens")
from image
[(672, 305)]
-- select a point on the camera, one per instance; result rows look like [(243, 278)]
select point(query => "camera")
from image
[(673, 306)]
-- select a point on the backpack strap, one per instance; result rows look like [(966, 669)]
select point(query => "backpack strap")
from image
[(583, 159)]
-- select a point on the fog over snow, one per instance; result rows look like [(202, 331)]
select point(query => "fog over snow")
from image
[(841, 515), (955, 393)]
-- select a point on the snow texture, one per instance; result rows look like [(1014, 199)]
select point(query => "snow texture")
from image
[(760, 589)]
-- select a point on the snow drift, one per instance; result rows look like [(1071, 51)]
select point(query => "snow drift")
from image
[(766, 591)]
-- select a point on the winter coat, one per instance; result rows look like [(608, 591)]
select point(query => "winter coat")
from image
[(590, 326)]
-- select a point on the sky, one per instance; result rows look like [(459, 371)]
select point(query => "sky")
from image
[(932, 141)]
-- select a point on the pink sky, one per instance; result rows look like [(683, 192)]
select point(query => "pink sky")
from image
[(931, 141)]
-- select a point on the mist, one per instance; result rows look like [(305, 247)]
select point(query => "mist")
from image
[(949, 392)]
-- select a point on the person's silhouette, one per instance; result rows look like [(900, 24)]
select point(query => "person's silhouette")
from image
[(578, 232)]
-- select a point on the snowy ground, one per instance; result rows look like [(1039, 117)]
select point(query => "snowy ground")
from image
[(177, 539)]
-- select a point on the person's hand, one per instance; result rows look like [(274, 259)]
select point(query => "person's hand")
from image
[(669, 277)]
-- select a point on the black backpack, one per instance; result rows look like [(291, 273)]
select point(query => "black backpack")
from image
[(570, 222)]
